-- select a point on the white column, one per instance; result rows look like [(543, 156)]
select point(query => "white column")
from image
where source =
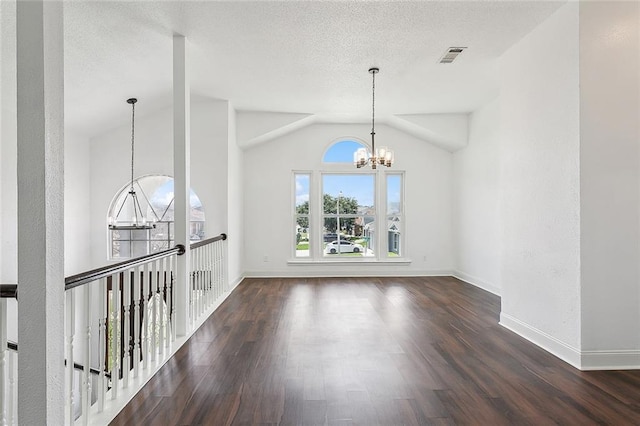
[(181, 172), (40, 212)]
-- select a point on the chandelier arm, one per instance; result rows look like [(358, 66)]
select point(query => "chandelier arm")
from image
[(121, 206), (137, 205), (144, 194), (166, 210)]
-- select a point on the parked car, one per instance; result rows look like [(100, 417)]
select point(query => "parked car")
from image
[(343, 246)]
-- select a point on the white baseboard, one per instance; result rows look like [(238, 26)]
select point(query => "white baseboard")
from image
[(547, 342), (341, 273), (611, 360), (475, 281), (623, 359), (234, 283)]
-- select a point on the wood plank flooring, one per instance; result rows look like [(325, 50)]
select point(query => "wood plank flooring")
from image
[(370, 351)]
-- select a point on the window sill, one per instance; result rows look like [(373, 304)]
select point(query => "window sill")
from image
[(350, 261)]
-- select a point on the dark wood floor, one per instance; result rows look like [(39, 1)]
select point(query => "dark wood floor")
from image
[(367, 351)]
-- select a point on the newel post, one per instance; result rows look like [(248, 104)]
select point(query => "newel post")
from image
[(40, 114), (181, 171)]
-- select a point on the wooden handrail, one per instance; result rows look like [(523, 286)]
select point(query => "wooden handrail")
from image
[(105, 271), (9, 290), (208, 241)]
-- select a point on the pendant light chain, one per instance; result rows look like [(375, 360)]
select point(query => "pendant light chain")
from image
[(133, 133), (373, 109)]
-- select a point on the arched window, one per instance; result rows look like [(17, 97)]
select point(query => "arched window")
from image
[(341, 211), (155, 195), (342, 151)]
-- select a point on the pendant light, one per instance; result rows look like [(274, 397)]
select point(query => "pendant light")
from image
[(138, 220), (383, 156)]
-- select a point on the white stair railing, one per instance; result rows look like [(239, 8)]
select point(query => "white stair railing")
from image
[(128, 305), (208, 277), (8, 361), (118, 329)]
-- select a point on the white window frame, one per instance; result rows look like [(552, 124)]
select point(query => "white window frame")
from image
[(316, 216)]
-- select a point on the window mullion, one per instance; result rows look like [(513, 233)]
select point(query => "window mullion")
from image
[(381, 221)]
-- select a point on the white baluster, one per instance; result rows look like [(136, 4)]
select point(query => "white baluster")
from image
[(154, 313), (214, 271), (168, 280), (86, 372), (12, 397), (174, 268), (196, 284), (205, 278), (146, 289), (223, 269), (70, 331), (126, 346), (216, 268), (137, 298), (161, 311), (192, 286), (102, 341), (198, 254), (114, 323), (210, 290), (3, 363)]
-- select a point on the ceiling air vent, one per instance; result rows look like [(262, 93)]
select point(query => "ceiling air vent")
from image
[(451, 54)]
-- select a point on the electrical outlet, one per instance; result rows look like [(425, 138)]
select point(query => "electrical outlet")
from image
[(265, 258)]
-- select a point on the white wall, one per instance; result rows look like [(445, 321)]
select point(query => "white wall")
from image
[(8, 147), (235, 228), (77, 204), (209, 168), (476, 202), (540, 179), (268, 205), (610, 183), (111, 153)]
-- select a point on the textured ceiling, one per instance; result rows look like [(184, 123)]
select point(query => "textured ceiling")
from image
[(289, 56)]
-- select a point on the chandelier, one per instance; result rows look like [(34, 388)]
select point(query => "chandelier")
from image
[(383, 156), (138, 220)]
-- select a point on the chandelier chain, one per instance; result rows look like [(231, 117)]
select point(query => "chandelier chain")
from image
[(373, 105), (133, 133)]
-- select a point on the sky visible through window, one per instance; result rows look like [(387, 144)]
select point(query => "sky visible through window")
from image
[(394, 193), (302, 189), (164, 195), (342, 152), (360, 187)]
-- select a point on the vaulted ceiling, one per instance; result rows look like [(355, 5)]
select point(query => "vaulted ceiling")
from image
[(307, 57)]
